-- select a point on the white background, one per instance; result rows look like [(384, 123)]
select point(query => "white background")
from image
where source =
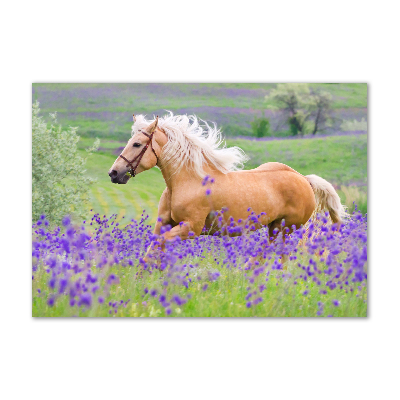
[(171, 41)]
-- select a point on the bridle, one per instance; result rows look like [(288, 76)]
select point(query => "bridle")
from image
[(139, 157)]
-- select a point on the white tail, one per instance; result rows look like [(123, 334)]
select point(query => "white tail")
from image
[(327, 198)]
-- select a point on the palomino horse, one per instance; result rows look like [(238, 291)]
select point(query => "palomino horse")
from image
[(186, 152)]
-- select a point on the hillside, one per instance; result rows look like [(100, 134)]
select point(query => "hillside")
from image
[(105, 110)]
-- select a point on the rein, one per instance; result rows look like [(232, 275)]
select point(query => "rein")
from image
[(139, 157)]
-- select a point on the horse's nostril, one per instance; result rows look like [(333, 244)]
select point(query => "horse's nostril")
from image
[(113, 173)]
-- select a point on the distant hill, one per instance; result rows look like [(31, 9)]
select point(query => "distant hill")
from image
[(105, 109)]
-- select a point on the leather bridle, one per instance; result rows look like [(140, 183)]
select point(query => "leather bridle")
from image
[(139, 157)]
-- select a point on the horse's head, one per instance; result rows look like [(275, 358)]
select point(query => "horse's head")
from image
[(140, 154)]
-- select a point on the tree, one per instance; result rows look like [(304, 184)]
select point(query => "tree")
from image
[(320, 106), (306, 110), (59, 184)]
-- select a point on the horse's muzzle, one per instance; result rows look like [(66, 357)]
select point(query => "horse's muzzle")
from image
[(120, 179)]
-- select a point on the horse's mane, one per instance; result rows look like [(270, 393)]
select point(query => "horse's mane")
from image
[(193, 144)]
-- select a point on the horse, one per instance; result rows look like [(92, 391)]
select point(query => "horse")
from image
[(189, 151)]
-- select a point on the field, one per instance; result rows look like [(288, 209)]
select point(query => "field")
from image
[(102, 274), (76, 275), (95, 268), (105, 110)]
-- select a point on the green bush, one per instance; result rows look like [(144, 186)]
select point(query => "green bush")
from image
[(59, 184), (261, 127)]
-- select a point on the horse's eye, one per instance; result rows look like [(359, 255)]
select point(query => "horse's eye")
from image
[(136, 144)]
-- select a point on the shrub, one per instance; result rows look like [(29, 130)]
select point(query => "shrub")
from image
[(261, 127), (59, 184)]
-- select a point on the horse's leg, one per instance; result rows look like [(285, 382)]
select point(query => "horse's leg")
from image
[(274, 229), (259, 258), (182, 230), (163, 219)]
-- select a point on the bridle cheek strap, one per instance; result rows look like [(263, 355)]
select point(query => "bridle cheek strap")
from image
[(139, 157)]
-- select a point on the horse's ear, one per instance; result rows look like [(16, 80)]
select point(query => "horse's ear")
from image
[(152, 127), (134, 118)]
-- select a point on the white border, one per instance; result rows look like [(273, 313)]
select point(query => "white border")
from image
[(305, 41)]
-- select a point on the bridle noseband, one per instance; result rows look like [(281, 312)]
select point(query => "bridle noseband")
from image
[(138, 158)]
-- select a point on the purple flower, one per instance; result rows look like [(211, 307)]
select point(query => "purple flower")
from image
[(112, 279), (100, 300), (335, 303), (63, 285), (86, 299), (52, 282)]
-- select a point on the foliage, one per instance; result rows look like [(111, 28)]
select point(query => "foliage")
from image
[(93, 270), (261, 127), (59, 184), (352, 126), (307, 110)]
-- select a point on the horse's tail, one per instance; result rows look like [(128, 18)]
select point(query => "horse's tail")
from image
[(327, 198)]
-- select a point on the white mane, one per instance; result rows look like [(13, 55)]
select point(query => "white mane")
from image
[(191, 144)]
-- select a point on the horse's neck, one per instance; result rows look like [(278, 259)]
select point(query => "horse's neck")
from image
[(180, 179), (174, 178)]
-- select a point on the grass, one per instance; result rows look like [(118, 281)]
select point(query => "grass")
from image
[(222, 298), (340, 159)]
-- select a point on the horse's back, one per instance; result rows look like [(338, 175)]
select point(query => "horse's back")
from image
[(274, 166)]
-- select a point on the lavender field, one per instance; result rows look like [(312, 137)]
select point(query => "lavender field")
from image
[(97, 270)]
